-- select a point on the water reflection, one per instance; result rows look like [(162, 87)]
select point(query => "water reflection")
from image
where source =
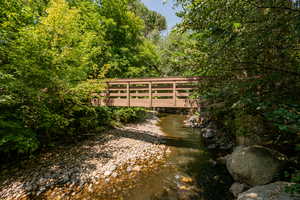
[(189, 173)]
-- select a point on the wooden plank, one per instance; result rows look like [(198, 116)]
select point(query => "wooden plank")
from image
[(112, 83), (117, 95), (139, 94), (116, 89), (160, 103), (185, 88), (195, 78), (140, 103), (183, 94), (162, 94), (163, 82), (193, 82), (139, 89), (133, 82), (160, 89)]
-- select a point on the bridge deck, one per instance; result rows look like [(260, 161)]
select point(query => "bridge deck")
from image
[(148, 92)]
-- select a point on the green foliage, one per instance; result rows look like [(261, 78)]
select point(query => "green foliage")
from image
[(50, 50), (250, 50), (294, 188), (179, 55), (153, 21), (126, 115), (286, 118), (16, 138)]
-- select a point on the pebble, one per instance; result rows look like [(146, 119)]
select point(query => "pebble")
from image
[(115, 174), (129, 169), (137, 168), (86, 163), (113, 168), (107, 173), (90, 188)]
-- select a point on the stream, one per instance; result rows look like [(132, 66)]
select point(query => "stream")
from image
[(189, 172), (171, 165)]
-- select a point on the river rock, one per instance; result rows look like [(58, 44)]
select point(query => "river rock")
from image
[(129, 169), (107, 173), (113, 168), (193, 121), (137, 168), (254, 165), (208, 133), (237, 188), (114, 175), (273, 191)]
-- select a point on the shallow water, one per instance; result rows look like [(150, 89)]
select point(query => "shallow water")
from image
[(189, 172)]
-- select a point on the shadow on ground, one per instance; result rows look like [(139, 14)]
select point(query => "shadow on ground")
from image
[(159, 139)]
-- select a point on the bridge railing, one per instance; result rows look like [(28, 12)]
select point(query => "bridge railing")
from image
[(150, 92)]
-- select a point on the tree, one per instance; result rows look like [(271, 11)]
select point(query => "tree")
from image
[(153, 21), (180, 55), (49, 51), (252, 55)]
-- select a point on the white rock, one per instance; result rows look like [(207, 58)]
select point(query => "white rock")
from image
[(137, 168), (107, 173), (115, 174), (113, 168), (129, 169)]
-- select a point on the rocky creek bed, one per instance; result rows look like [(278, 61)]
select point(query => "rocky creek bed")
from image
[(106, 166), (255, 168)]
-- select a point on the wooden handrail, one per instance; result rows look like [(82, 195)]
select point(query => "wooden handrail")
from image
[(149, 92)]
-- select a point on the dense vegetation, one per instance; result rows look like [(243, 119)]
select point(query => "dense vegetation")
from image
[(250, 50), (50, 52)]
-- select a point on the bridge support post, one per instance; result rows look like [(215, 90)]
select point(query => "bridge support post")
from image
[(174, 93), (128, 93), (150, 94)]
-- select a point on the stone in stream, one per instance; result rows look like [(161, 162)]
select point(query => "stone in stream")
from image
[(208, 132), (254, 165), (237, 188), (273, 191)]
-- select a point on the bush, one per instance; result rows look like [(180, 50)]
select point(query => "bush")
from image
[(126, 115)]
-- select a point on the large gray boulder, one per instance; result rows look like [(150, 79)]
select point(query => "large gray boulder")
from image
[(273, 191), (254, 165)]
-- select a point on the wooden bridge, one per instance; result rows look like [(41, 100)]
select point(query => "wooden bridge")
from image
[(149, 92)]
